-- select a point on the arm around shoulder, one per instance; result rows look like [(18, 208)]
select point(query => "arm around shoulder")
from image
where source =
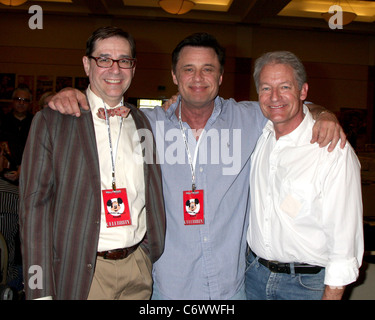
[(68, 101)]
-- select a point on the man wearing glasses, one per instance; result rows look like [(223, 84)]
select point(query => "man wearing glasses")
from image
[(74, 170), (14, 130)]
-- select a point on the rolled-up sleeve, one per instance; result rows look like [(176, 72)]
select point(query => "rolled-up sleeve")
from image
[(343, 218)]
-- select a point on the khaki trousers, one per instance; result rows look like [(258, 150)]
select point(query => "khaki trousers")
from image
[(126, 279)]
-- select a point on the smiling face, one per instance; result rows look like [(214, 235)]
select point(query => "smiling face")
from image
[(280, 98), (198, 76), (109, 83)]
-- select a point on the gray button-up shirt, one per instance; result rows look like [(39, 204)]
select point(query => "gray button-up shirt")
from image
[(206, 261)]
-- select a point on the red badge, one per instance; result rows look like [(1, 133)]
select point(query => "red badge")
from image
[(193, 207), (116, 208)]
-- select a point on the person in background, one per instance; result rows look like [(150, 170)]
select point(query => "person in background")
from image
[(9, 228), (91, 208), (305, 232), (204, 144), (15, 129)]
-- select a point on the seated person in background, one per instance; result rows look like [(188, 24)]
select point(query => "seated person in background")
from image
[(9, 203)]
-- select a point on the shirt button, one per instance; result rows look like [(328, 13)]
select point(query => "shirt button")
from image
[(205, 239), (89, 266), (200, 169)]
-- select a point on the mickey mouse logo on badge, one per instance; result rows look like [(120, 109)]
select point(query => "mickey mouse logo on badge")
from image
[(192, 206), (115, 206)]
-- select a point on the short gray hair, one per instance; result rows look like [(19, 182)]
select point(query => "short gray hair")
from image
[(280, 57), (22, 88)]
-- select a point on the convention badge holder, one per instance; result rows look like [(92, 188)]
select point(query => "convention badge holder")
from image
[(193, 199), (116, 207), (193, 207)]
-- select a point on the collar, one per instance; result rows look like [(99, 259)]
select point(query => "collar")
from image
[(95, 102), (171, 112)]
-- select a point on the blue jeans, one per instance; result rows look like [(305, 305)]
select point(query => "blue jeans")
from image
[(240, 295), (262, 284)]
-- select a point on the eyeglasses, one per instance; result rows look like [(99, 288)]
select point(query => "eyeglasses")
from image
[(104, 62), (19, 99)]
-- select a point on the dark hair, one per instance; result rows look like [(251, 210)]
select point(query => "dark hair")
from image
[(109, 32), (200, 39)]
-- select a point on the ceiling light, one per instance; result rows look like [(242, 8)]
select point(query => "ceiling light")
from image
[(176, 6), (347, 17), (13, 3)]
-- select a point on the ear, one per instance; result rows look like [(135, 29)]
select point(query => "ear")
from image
[(304, 90), (174, 78), (221, 79), (86, 65)]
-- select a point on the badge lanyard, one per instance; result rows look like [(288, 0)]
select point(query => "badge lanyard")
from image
[(193, 201), (191, 163), (113, 152)]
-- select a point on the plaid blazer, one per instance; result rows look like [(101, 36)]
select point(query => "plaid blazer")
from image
[(60, 201)]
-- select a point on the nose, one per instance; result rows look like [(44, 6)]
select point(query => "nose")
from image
[(115, 67), (198, 75), (275, 95)]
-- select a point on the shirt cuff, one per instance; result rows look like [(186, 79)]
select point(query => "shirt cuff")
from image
[(341, 273)]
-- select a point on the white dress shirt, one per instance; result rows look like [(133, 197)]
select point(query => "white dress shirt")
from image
[(128, 172), (306, 203)]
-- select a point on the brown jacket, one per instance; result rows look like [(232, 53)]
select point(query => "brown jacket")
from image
[(60, 201)]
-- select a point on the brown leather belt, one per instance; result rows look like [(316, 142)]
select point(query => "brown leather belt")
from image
[(117, 254)]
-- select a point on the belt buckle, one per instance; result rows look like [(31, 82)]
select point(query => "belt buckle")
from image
[(277, 267), (117, 254), (124, 253)]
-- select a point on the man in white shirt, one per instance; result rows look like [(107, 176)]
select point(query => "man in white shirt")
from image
[(305, 232)]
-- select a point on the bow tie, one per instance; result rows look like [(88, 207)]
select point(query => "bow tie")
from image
[(119, 111)]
